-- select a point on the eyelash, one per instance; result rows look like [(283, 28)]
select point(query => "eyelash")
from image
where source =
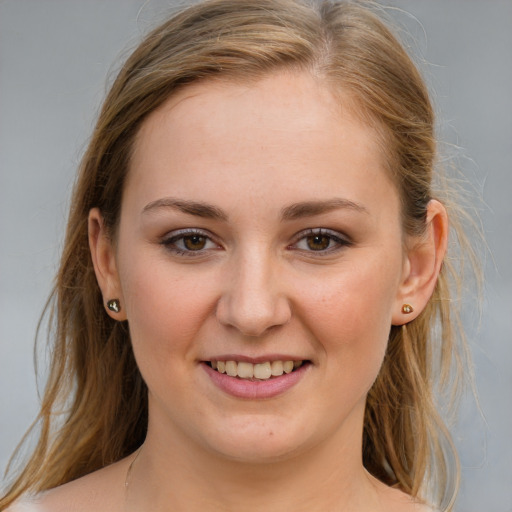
[(182, 234), (339, 240)]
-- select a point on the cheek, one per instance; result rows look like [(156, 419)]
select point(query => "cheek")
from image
[(165, 307), (350, 313)]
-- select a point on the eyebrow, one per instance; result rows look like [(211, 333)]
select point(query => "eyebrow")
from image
[(292, 212), (312, 208), (199, 209)]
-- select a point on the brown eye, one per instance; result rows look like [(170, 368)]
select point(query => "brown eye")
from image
[(194, 242), (190, 242), (318, 242), (321, 242)]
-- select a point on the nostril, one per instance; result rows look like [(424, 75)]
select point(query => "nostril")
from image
[(253, 310)]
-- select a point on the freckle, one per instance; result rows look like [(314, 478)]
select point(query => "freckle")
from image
[(270, 434)]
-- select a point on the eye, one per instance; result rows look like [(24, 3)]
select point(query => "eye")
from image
[(194, 242), (189, 242), (320, 240)]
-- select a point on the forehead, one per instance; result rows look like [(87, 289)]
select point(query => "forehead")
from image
[(287, 129)]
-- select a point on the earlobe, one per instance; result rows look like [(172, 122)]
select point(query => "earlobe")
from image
[(105, 266), (423, 264)]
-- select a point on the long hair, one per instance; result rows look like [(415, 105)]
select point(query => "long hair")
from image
[(94, 409)]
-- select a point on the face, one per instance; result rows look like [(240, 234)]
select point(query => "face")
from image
[(258, 232)]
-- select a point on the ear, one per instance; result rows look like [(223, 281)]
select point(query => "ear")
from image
[(104, 261), (423, 262)]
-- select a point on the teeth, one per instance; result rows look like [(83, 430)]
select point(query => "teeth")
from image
[(260, 371), (245, 370), (231, 368), (277, 368), (288, 366)]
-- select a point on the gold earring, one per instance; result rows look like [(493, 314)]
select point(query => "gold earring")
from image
[(406, 309), (114, 305)]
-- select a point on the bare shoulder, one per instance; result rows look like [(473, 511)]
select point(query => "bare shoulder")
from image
[(26, 505), (101, 491), (395, 500), (401, 502)]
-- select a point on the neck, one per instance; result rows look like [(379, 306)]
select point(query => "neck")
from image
[(176, 474)]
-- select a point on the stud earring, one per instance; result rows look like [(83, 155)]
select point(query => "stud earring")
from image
[(406, 309), (114, 305)]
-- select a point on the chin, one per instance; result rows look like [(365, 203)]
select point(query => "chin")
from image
[(258, 441), (257, 452)]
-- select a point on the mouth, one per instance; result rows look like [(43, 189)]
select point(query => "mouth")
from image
[(263, 371)]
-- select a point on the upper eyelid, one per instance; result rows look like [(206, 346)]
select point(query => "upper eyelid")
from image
[(341, 241), (172, 237), (336, 235), (171, 240), (321, 231), (178, 233)]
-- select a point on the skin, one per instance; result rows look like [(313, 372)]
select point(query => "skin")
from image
[(258, 287)]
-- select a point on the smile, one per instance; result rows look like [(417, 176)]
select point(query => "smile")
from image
[(259, 380), (259, 371)]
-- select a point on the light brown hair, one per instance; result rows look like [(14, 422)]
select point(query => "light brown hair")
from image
[(94, 409)]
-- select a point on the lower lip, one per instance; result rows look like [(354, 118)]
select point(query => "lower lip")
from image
[(256, 389)]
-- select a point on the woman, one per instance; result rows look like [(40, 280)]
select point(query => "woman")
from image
[(252, 289)]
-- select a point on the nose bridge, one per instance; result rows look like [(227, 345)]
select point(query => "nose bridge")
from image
[(254, 299)]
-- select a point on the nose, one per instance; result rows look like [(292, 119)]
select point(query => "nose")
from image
[(253, 299)]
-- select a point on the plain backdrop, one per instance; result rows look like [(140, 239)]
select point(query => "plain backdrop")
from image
[(55, 57)]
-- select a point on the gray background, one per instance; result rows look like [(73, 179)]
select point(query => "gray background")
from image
[(54, 57)]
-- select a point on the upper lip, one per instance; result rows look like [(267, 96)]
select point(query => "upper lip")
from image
[(255, 359)]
